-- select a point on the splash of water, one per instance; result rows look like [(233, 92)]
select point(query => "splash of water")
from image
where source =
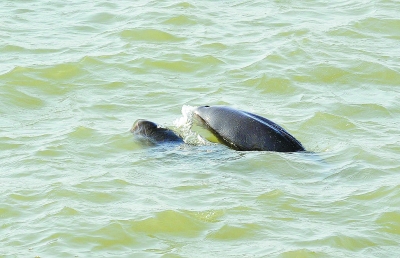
[(184, 125)]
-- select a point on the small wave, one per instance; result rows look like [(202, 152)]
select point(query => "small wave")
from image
[(228, 232), (169, 222), (180, 20), (148, 35)]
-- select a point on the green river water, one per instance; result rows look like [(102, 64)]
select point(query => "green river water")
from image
[(75, 75)]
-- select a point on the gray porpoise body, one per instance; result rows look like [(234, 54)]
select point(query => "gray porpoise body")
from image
[(154, 132), (244, 131)]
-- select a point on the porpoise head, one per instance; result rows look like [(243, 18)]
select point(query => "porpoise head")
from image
[(211, 119), (154, 132), (143, 127)]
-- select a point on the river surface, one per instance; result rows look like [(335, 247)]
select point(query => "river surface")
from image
[(75, 75)]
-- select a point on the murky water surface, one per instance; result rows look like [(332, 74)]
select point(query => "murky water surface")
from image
[(75, 76)]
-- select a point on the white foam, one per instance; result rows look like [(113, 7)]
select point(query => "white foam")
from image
[(184, 125)]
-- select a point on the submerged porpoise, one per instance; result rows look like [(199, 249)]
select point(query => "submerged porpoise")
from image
[(155, 133)]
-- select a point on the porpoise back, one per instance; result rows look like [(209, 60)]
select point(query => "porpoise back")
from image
[(244, 131)]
